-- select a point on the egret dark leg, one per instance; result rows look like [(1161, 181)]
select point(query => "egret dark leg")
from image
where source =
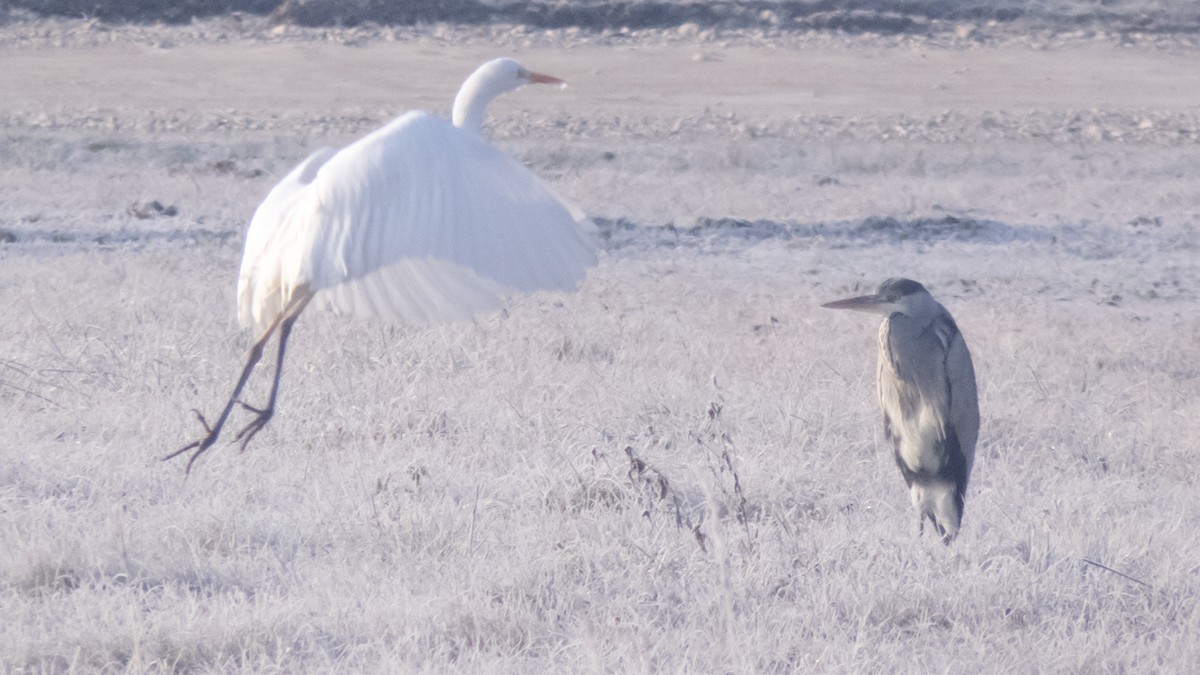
[(264, 414), (214, 431)]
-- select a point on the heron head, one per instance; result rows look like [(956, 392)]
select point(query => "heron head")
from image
[(896, 295)]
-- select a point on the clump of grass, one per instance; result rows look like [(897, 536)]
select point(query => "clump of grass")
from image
[(49, 576)]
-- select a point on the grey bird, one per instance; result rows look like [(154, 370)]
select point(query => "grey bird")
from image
[(928, 395)]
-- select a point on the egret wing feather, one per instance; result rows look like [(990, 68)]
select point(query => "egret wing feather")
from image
[(430, 291), (421, 221), (260, 283)]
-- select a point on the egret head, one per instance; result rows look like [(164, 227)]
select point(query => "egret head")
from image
[(493, 78), (897, 295), (505, 74)]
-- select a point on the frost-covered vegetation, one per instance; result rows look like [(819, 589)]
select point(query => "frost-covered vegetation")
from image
[(679, 468)]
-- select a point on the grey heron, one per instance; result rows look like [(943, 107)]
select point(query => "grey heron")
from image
[(927, 392)]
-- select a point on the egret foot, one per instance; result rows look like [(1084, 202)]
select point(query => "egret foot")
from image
[(201, 445), (263, 415)]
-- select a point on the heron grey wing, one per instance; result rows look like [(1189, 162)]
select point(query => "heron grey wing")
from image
[(964, 397)]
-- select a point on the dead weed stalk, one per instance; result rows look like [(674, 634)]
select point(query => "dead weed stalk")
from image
[(654, 486)]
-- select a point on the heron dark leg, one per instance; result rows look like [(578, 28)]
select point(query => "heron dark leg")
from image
[(943, 535), (214, 431), (263, 415)]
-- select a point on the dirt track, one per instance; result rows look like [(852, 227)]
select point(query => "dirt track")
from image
[(659, 80)]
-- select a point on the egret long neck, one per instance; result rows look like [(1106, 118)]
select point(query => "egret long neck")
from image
[(470, 104)]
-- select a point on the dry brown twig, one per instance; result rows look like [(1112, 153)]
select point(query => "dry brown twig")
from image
[(714, 431), (1120, 574), (655, 482)]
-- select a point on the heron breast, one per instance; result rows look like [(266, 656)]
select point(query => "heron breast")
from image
[(921, 440)]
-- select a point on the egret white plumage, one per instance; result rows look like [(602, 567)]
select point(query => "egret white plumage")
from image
[(927, 392), (421, 221)]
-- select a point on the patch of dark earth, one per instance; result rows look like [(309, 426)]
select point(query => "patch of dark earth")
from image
[(850, 16), (723, 235), (36, 239), (720, 235)]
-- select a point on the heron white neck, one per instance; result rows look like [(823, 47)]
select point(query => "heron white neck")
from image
[(472, 101)]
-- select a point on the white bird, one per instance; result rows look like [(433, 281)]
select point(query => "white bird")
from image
[(927, 392), (421, 221)]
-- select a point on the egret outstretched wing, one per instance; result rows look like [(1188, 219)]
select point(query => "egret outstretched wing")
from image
[(422, 221)]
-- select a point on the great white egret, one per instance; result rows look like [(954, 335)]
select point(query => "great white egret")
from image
[(927, 391), (421, 221)]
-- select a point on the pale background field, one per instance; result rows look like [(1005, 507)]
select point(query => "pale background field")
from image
[(461, 498)]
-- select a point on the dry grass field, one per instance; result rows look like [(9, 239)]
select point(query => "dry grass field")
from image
[(681, 467)]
